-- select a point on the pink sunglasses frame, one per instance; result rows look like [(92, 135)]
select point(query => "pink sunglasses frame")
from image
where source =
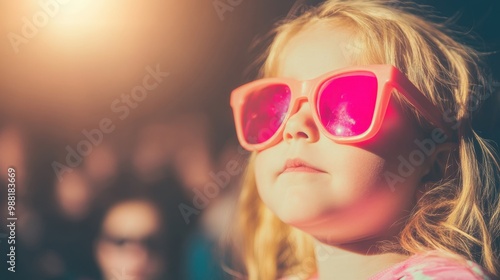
[(388, 78)]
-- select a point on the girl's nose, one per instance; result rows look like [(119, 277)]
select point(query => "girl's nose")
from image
[(301, 125)]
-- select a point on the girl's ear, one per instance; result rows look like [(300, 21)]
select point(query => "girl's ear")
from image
[(442, 164)]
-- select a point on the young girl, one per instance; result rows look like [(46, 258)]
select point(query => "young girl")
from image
[(364, 163)]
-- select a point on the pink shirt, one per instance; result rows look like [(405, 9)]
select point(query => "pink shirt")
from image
[(431, 267)]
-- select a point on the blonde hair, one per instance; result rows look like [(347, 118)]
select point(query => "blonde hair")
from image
[(460, 214)]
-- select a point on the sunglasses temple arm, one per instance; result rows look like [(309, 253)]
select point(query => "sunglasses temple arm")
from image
[(421, 103)]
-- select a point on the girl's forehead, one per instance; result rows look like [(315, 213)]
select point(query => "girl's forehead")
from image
[(315, 50)]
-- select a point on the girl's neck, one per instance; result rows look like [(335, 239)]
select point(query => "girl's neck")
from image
[(352, 262)]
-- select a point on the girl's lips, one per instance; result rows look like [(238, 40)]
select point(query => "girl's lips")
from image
[(299, 165)]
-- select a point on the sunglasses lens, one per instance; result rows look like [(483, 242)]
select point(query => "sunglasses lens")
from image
[(346, 104), (264, 112)]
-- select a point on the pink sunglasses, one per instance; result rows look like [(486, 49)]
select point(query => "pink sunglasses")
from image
[(348, 104)]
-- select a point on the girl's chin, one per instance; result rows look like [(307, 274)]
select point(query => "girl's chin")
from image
[(307, 222)]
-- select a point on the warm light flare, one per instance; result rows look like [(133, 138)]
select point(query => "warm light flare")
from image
[(73, 56), (80, 13)]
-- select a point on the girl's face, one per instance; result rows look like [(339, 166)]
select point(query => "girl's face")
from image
[(339, 193)]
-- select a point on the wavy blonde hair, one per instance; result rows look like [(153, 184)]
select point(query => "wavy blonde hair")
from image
[(459, 215)]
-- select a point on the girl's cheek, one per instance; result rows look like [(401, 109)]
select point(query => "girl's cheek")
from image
[(263, 169)]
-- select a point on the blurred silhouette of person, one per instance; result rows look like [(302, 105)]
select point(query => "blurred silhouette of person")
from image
[(180, 143), (131, 241), (13, 155), (102, 165), (74, 195), (204, 257)]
